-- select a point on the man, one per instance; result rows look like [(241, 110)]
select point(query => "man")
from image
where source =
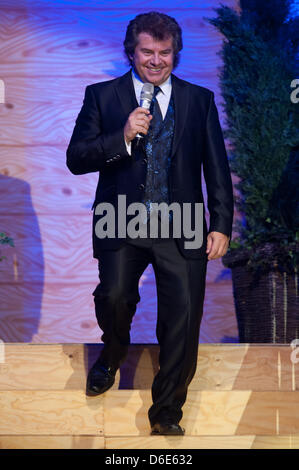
[(180, 132)]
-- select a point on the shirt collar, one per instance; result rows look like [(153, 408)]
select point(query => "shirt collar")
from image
[(138, 84)]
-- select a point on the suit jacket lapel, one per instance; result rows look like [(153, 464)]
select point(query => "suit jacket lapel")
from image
[(124, 89), (181, 102), (126, 94)]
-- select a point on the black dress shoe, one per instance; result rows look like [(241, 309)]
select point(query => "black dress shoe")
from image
[(167, 428), (100, 378)]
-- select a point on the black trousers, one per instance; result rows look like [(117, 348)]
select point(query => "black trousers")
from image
[(180, 295)]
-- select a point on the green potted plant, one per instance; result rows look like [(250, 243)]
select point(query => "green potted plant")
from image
[(259, 63)]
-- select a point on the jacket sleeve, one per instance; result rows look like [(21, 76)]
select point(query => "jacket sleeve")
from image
[(89, 149), (217, 175)]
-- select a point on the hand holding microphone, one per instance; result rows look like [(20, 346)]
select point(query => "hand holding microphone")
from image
[(139, 120)]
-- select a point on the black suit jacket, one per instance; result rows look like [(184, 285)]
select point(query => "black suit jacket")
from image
[(97, 145)]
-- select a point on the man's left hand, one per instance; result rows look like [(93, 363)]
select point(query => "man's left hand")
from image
[(217, 245)]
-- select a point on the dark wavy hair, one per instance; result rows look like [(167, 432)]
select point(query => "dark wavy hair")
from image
[(159, 26)]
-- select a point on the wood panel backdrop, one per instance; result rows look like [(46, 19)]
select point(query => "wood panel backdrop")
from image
[(49, 52)]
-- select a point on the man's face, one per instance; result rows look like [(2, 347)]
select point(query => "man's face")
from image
[(152, 59)]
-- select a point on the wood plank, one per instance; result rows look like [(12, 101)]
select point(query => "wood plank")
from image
[(265, 413), (255, 367), (65, 367), (41, 111), (219, 323), (52, 442), (205, 413), (71, 42), (219, 367), (149, 442), (50, 413), (52, 367), (94, 4), (33, 312), (62, 44), (179, 442), (203, 442), (208, 413), (37, 180), (276, 442), (55, 248), (61, 313)]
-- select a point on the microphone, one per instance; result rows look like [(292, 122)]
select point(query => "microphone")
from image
[(146, 97)]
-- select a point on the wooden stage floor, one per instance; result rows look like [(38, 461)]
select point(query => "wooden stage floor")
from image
[(242, 397)]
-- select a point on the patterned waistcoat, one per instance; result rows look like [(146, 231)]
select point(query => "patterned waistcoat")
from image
[(158, 144)]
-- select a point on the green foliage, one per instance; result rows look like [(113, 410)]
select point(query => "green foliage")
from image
[(5, 240), (262, 124)]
